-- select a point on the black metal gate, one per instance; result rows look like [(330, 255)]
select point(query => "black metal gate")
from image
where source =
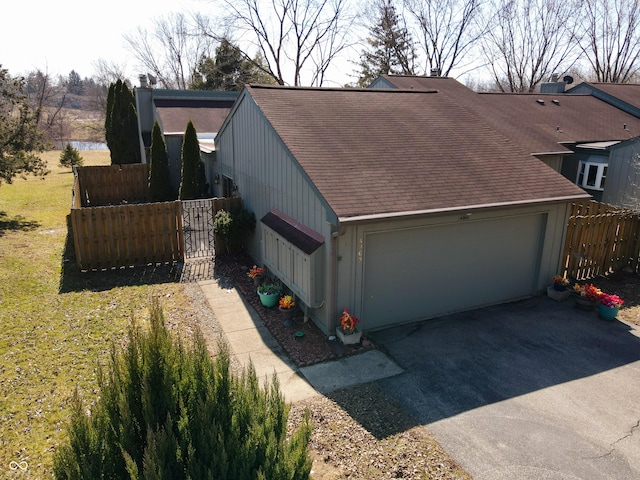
[(197, 220)]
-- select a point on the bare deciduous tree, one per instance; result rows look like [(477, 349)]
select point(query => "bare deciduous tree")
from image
[(529, 41), (611, 39), (447, 30), (48, 101), (292, 36), (173, 50)]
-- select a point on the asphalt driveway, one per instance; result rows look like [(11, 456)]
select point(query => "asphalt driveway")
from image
[(530, 390)]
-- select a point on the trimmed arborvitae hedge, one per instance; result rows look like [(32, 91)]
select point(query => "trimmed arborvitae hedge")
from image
[(121, 125), (170, 412), (160, 189), (193, 184)]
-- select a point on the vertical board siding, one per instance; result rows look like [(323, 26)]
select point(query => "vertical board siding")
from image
[(266, 174), (127, 235), (96, 186), (601, 239), (622, 185)]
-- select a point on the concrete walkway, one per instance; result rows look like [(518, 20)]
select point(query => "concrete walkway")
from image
[(250, 341)]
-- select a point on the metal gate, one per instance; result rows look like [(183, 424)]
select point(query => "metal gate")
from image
[(197, 220)]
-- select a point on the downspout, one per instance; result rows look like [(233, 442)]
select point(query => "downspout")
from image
[(333, 279)]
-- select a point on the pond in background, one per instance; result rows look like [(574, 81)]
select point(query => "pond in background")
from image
[(84, 145)]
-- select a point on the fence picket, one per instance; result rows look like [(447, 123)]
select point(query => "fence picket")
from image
[(111, 237), (600, 239)]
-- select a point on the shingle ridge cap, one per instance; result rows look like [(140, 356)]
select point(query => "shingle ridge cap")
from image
[(339, 89)]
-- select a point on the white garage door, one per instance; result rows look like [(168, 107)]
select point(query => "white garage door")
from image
[(418, 273)]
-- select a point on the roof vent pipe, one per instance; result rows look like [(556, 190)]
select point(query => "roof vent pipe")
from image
[(436, 72)]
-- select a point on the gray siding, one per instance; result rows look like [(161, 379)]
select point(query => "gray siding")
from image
[(174, 154), (553, 161), (251, 153), (623, 176)]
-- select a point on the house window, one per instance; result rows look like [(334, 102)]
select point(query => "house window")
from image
[(227, 187), (592, 175)]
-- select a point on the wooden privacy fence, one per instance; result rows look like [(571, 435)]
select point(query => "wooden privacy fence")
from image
[(601, 239), (127, 235), (139, 234), (97, 186)]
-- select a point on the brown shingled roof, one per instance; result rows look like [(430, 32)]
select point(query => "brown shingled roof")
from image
[(372, 152), (447, 85), (540, 123), (627, 92)]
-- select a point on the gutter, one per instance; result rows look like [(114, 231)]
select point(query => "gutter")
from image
[(466, 208), (333, 279)]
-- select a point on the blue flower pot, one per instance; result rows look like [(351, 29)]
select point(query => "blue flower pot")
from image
[(608, 313), (269, 300)]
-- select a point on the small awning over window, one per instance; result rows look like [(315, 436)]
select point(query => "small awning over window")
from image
[(293, 231)]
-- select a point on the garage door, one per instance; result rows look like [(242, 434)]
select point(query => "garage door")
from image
[(418, 273)]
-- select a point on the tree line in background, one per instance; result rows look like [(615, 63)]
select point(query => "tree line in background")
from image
[(510, 45), (491, 45)]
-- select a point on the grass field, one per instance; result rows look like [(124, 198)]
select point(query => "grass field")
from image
[(54, 330)]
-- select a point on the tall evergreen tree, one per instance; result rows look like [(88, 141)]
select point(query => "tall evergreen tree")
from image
[(111, 100), (20, 140), (121, 125), (193, 183), (391, 47), (230, 70), (159, 184)]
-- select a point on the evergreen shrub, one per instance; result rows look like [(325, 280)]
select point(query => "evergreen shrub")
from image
[(170, 412)]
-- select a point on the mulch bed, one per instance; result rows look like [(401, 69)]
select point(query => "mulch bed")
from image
[(313, 347)]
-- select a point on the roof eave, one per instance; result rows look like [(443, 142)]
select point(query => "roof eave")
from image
[(465, 208)]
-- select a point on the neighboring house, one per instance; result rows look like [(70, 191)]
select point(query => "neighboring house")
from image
[(573, 133), (173, 109), (617, 162), (625, 96), (398, 205)]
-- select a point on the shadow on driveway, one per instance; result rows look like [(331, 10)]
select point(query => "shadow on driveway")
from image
[(467, 360), (515, 390)]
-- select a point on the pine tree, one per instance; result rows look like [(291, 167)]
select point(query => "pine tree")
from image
[(160, 189), (230, 70), (70, 157), (193, 182), (391, 47)]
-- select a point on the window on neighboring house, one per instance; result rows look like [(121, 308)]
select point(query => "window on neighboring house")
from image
[(592, 175)]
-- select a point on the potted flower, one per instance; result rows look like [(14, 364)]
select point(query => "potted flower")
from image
[(286, 305), (269, 293), (256, 274), (558, 290), (586, 296), (347, 332), (560, 283), (609, 306)]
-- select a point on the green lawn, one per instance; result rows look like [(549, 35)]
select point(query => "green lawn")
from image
[(53, 333)]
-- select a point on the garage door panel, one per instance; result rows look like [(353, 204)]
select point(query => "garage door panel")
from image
[(424, 272)]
